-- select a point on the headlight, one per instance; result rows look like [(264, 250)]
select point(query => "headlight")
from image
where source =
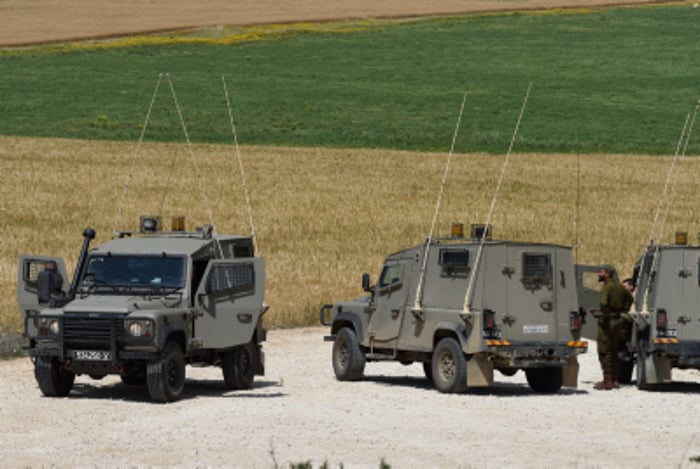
[(55, 326), (139, 328), (136, 329)]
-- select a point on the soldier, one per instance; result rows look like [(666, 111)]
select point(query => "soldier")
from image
[(613, 302)]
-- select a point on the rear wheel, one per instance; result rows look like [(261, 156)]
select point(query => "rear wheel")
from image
[(52, 378), (624, 371), (237, 366), (544, 380), (641, 365), (165, 375), (449, 367), (348, 358)]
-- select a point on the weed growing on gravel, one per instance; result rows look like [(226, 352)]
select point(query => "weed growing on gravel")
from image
[(695, 459)]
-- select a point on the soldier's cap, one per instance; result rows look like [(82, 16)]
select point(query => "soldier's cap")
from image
[(608, 268)]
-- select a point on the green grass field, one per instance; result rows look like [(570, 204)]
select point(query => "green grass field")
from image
[(615, 80)]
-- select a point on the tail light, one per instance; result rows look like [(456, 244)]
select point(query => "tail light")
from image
[(574, 321), (489, 320), (661, 320)]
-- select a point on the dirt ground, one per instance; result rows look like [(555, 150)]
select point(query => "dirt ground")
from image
[(298, 412), (25, 22)]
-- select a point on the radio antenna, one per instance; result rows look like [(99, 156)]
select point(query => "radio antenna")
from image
[(417, 304), (467, 298)]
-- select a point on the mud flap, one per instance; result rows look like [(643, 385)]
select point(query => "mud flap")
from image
[(570, 373), (658, 370), (479, 371)]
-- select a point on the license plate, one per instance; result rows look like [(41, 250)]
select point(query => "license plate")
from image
[(93, 355), (536, 329)]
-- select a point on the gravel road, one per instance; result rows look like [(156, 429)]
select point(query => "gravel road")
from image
[(298, 412)]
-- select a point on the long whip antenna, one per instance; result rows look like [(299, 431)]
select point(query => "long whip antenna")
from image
[(198, 174), (136, 153), (419, 291), (468, 296), (669, 176), (240, 166), (577, 221)]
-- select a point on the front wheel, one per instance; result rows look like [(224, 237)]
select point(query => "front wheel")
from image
[(544, 380), (165, 375), (237, 366), (52, 378), (348, 358), (449, 367)]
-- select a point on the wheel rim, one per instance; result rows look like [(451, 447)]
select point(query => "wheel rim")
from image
[(446, 366), (343, 355), (173, 374)]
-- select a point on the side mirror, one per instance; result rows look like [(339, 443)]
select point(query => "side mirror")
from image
[(365, 283)]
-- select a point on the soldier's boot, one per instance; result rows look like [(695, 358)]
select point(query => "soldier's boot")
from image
[(615, 381), (606, 384)]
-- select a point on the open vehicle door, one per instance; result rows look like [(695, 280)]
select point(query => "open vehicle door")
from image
[(28, 281), (230, 299)]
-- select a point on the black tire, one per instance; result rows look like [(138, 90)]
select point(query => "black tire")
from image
[(641, 366), (52, 378), (348, 358), (238, 366), (449, 367), (428, 370), (544, 380), (165, 375), (624, 371)]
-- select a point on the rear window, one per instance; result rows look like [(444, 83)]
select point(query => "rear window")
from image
[(537, 270), (454, 261)]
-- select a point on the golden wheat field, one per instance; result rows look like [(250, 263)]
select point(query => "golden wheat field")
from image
[(325, 216)]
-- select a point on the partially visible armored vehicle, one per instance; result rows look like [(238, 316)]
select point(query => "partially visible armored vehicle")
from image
[(144, 305), (666, 312), (523, 314), (665, 328)]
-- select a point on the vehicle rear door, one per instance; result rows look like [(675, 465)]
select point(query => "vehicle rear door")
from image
[(230, 300), (531, 293)]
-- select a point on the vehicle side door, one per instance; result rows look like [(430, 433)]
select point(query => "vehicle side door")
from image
[(28, 281), (391, 293), (230, 301)]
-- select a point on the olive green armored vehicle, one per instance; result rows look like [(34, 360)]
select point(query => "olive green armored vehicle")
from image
[(436, 303), (666, 312), (144, 305)]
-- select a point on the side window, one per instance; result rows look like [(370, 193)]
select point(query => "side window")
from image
[(31, 270), (537, 270), (391, 274), (454, 261), (231, 278)]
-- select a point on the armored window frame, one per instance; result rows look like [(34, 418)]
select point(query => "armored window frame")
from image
[(454, 261), (236, 279), (31, 270), (390, 271), (536, 269)]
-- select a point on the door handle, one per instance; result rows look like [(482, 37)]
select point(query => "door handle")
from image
[(395, 313)]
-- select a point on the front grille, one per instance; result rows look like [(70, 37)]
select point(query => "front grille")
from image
[(92, 333)]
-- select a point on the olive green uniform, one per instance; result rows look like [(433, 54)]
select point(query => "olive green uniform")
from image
[(613, 302)]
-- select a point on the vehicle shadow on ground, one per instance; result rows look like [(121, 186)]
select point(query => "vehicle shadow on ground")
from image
[(498, 389), (194, 388), (683, 387)]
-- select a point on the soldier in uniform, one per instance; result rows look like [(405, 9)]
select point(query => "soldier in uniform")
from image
[(613, 301)]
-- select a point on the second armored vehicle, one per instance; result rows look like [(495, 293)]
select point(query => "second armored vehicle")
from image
[(523, 314), (144, 305)]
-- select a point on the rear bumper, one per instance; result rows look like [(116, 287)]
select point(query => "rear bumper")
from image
[(533, 354), (684, 353)]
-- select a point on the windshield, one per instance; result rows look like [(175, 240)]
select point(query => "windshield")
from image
[(130, 270)]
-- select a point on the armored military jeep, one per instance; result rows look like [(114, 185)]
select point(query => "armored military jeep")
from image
[(524, 315), (666, 329), (144, 305)]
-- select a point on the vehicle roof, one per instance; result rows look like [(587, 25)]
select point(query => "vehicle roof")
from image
[(182, 244), (464, 243)]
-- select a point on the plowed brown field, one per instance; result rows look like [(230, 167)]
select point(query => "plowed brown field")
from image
[(32, 22)]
